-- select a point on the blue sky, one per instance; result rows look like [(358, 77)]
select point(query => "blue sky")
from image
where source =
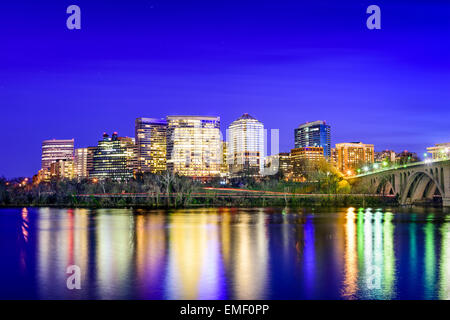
[(284, 62)]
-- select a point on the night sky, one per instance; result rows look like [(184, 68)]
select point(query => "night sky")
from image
[(284, 62)]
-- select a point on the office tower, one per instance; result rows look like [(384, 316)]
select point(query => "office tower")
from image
[(90, 159), (80, 163), (353, 154), (440, 151), (194, 146), (334, 157), (151, 144), (54, 150), (129, 146), (305, 160), (314, 134), (285, 163), (111, 159), (246, 145), (224, 165), (280, 163), (62, 169)]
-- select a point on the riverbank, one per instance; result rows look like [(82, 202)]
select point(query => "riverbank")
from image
[(179, 201)]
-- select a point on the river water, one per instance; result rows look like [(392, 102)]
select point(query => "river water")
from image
[(225, 253)]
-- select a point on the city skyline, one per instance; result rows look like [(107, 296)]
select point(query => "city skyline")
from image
[(285, 64), (76, 148)]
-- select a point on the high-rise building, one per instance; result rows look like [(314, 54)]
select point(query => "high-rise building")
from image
[(246, 147), (279, 163), (194, 146), (90, 159), (224, 165), (440, 151), (81, 163), (111, 159), (54, 150), (304, 160), (353, 154), (129, 146), (314, 134), (334, 157), (62, 169), (151, 144)]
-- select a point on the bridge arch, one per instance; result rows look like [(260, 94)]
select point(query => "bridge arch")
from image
[(385, 185), (420, 185)]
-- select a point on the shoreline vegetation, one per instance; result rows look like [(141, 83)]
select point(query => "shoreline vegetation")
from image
[(294, 202), (172, 191)]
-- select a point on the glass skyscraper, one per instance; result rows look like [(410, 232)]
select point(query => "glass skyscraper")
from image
[(151, 144), (194, 146), (112, 159), (245, 145), (314, 134)]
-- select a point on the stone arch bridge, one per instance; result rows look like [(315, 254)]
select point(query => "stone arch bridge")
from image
[(413, 183)]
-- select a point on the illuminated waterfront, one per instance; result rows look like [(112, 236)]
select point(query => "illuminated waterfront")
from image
[(227, 253)]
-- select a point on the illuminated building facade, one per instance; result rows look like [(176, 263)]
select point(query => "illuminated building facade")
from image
[(406, 157), (80, 163), (54, 150), (440, 151), (314, 134), (353, 154), (43, 175), (280, 163), (90, 159), (285, 164), (129, 145), (224, 165), (334, 157), (62, 169), (151, 144), (303, 160), (111, 159), (386, 155), (194, 146), (246, 147)]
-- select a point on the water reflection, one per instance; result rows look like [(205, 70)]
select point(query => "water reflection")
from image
[(444, 288), (231, 253), (351, 256)]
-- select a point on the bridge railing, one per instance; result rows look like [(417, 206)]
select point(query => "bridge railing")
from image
[(398, 166)]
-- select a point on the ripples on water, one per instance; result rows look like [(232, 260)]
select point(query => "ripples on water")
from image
[(226, 253)]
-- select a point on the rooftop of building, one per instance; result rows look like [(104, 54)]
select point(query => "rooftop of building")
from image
[(246, 116), (181, 117), (445, 144), (152, 120), (58, 140), (312, 123), (356, 144)]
